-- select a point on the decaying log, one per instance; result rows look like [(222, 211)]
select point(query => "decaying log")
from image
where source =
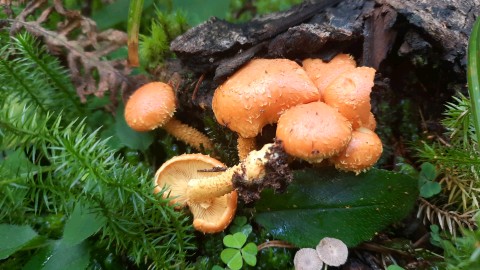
[(322, 28)]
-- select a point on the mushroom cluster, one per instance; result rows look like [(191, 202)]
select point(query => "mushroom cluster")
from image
[(322, 112), (330, 251)]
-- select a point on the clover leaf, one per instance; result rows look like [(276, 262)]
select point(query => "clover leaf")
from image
[(236, 253)]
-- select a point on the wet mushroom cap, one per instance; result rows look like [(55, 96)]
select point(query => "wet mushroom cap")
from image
[(214, 215), (332, 251), (150, 106), (350, 94), (177, 172), (307, 259), (323, 73), (258, 93), (313, 131), (363, 151)]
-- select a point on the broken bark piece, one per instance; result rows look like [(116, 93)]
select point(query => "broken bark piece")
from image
[(203, 47), (447, 22), (332, 28), (378, 35)]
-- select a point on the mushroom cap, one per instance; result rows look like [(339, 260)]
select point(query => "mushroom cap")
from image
[(313, 131), (258, 93), (372, 123), (177, 172), (307, 259), (323, 73), (214, 215), (150, 106), (332, 251), (350, 94), (361, 153)]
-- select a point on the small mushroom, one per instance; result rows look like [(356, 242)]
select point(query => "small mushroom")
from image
[(258, 93), (350, 94), (307, 259), (313, 131), (210, 215), (323, 73), (332, 251), (152, 106), (363, 151)]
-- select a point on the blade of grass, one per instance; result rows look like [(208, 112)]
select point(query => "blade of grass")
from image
[(473, 75), (134, 14)]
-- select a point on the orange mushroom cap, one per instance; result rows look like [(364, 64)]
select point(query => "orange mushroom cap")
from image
[(150, 106), (350, 94), (214, 215), (363, 151), (177, 172), (323, 73), (258, 93), (313, 131), (209, 215)]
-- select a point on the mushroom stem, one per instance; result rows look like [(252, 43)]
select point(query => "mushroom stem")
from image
[(251, 169), (245, 146), (187, 134)]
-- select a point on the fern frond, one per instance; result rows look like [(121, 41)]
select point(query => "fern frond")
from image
[(30, 74), (79, 168)]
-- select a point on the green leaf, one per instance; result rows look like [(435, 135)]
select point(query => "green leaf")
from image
[(232, 258), (39, 258), (64, 256), (328, 203), (236, 240), (429, 189), (81, 225), (239, 224), (130, 137), (13, 238), (249, 254), (394, 267), (428, 171), (473, 75)]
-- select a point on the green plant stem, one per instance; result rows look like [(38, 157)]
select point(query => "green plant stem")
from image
[(134, 14), (473, 76)]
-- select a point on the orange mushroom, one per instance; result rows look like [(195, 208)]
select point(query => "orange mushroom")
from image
[(152, 106), (260, 169), (323, 73), (363, 151), (210, 215), (313, 131), (258, 93), (350, 94)]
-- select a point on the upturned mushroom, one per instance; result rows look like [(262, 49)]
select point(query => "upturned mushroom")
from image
[(211, 214), (313, 131), (257, 94), (362, 152), (307, 259), (152, 106), (350, 94), (323, 73), (264, 168), (332, 251)]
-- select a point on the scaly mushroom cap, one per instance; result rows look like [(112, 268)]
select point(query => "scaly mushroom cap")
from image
[(150, 106), (258, 93), (361, 153), (332, 251), (313, 131), (307, 259), (350, 94), (214, 215), (323, 73), (177, 172)]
